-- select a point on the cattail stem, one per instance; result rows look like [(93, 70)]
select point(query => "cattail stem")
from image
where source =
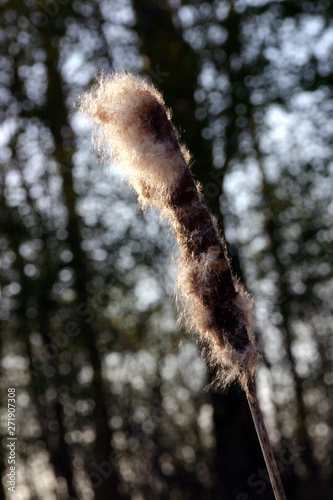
[(265, 444), (137, 124)]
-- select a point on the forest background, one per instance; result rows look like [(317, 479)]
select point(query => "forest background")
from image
[(108, 405)]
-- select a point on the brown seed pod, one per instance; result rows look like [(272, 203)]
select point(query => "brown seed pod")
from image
[(137, 127)]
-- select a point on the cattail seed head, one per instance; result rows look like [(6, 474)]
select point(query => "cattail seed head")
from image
[(137, 126)]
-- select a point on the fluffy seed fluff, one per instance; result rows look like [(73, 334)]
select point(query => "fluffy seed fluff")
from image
[(137, 127)]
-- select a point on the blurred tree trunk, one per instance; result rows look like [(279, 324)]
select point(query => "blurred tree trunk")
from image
[(40, 297), (173, 67), (238, 453), (104, 478), (239, 73), (285, 301)]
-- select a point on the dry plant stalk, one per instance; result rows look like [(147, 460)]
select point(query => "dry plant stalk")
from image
[(136, 129)]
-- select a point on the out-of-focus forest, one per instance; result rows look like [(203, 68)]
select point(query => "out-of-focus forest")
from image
[(110, 391)]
